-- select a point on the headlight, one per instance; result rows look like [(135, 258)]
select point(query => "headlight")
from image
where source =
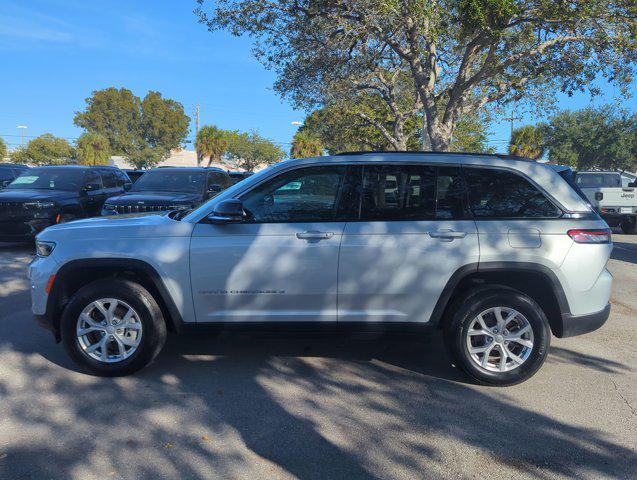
[(178, 207), (39, 205), (43, 249), (108, 206)]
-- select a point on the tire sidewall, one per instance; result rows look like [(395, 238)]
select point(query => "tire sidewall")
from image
[(153, 326), (481, 301)]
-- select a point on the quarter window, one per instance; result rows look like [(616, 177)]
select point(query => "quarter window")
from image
[(314, 194), (500, 194)]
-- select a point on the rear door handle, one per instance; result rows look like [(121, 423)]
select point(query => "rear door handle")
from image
[(314, 235), (447, 234)]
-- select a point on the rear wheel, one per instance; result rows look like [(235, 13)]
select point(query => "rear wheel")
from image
[(498, 336), (629, 226), (113, 327)]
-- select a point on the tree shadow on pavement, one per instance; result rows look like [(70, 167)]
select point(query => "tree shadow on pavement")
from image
[(590, 361), (625, 252), (254, 407)]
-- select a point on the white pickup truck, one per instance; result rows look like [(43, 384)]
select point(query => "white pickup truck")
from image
[(616, 204)]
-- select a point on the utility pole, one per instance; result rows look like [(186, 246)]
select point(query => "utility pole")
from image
[(197, 132), (512, 119), (22, 129)]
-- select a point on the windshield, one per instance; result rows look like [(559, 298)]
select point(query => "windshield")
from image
[(171, 181), (596, 180), (50, 179)]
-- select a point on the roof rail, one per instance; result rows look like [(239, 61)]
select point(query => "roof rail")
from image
[(429, 152)]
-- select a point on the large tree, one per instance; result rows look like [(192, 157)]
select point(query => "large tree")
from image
[(250, 150), (143, 131), (341, 131), (601, 138), (459, 55), (49, 150), (92, 149), (114, 114), (528, 141), (211, 143)]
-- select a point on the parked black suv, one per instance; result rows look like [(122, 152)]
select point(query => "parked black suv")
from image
[(236, 177), (9, 172), (44, 196), (169, 188)]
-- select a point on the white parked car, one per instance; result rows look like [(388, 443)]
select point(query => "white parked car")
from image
[(616, 203), (496, 251)]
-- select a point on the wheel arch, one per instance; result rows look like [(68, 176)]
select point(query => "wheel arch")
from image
[(535, 280), (76, 273)]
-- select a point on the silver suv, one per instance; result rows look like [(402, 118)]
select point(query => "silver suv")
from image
[(496, 251)]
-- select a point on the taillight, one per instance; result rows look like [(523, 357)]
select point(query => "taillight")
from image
[(602, 235)]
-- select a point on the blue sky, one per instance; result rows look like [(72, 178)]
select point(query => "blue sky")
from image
[(55, 53)]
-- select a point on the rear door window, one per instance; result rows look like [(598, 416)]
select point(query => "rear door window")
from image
[(501, 194), (398, 192), (108, 178), (413, 192)]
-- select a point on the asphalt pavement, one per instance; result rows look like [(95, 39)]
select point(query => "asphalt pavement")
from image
[(276, 407)]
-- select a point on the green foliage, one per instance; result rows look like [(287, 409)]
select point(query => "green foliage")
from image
[(249, 150), (92, 149), (471, 136), (163, 121), (3, 149), (305, 145), (592, 138), (144, 131), (211, 143), (144, 156), (49, 150), (455, 56), (528, 141), (19, 155), (115, 114), (341, 131)]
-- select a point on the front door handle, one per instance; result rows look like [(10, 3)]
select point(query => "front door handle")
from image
[(314, 235), (447, 235)]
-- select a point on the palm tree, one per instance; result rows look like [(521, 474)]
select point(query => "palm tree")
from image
[(211, 142), (528, 141), (305, 145)]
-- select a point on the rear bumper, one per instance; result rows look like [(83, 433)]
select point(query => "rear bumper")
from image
[(573, 325)]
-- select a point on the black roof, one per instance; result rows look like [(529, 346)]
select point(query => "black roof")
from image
[(77, 167), (188, 169), (13, 165), (429, 152)]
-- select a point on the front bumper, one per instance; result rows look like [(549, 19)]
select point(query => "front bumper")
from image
[(23, 230), (573, 325)]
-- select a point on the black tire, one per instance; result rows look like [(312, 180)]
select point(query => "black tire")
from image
[(629, 227), (150, 316), (465, 312)]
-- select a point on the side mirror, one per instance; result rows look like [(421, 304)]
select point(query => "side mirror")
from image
[(91, 187), (127, 186), (633, 184), (5, 183), (227, 211)]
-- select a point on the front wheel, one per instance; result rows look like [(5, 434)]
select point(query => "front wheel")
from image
[(113, 327), (498, 336)]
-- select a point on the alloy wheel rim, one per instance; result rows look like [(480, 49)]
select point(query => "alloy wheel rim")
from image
[(108, 330), (499, 339)]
